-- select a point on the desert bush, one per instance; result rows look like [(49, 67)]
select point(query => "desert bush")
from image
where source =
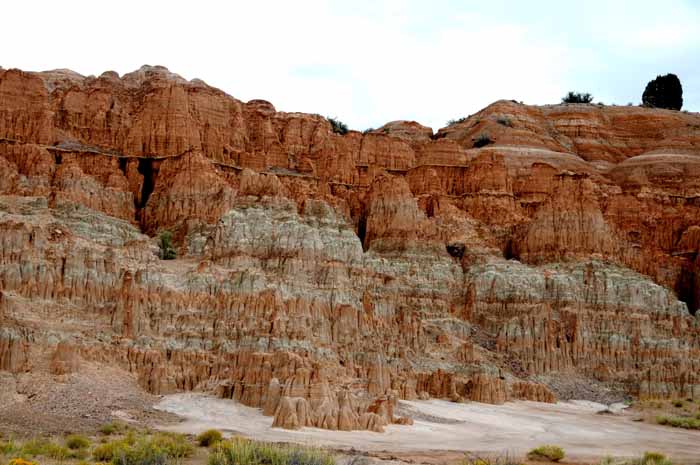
[(77, 441), (498, 460), (57, 452), (664, 92), (34, 447), (8, 447), (240, 451), (209, 437), (679, 422), (338, 126), (577, 97), (678, 403), (165, 243), (108, 451), (482, 140), (174, 445), (457, 121), (649, 458), (157, 449), (109, 428), (548, 452), (504, 121)]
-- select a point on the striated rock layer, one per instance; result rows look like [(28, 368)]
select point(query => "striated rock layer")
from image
[(323, 277)]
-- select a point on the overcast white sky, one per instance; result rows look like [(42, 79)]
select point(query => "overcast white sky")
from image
[(369, 62)]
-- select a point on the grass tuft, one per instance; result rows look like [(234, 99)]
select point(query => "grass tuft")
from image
[(209, 437), (77, 441), (240, 451), (548, 452)]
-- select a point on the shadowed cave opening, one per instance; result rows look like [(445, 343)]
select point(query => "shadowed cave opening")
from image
[(688, 290), (362, 230), (122, 165), (509, 251), (146, 170)]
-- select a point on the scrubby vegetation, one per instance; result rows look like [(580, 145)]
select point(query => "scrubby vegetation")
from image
[(548, 452), (244, 452), (577, 97), (112, 428), (167, 250), (482, 140), (499, 460), (77, 441), (649, 458), (155, 449), (209, 437), (504, 121), (338, 126), (664, 92), (457, 121), (679, 422)]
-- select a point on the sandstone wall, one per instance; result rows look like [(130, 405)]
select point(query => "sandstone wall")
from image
[(323, 277)]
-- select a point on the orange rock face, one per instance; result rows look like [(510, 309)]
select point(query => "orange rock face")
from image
[(323, 278)]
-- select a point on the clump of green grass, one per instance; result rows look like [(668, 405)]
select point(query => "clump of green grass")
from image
[(156, 449), (8, 447), (679, 422), (108, 451), (498, 460), (209, 437), (57, 452), (112, 428), (34, 447), (547, 452), (240, 451), (649, 458), (77, 441)]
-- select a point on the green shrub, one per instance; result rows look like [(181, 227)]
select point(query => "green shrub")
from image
[(457, 121), (77, 441), (174, 445), (34, 447), (504, 121), (499, 460), (57, 452), (551, 453), (482, 140), (664, 92), (678, 403), (577, 97), (167, 250), (240, 451), (108, 451), (109, 428), (157, 449), (679, 422), (209, 437), (8, 447), (338, 126)]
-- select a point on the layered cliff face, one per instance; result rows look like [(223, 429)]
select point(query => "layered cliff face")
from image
[(322, 277)]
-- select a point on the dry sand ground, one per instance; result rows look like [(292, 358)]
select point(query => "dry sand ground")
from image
[(446, 428)]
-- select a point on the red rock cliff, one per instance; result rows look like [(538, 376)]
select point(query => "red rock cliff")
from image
[(322, 277)]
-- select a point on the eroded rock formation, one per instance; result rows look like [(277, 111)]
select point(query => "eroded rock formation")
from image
[(323, 277)]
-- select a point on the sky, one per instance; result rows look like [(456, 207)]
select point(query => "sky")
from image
[(369, 62)]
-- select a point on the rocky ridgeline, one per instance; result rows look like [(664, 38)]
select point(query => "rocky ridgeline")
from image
[(322, 277)]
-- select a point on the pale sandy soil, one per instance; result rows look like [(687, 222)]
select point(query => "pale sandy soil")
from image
[(515, 427)]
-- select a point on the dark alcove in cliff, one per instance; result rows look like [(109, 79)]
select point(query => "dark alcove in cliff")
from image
[(688, 289), (149, 181), (362, 230)]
